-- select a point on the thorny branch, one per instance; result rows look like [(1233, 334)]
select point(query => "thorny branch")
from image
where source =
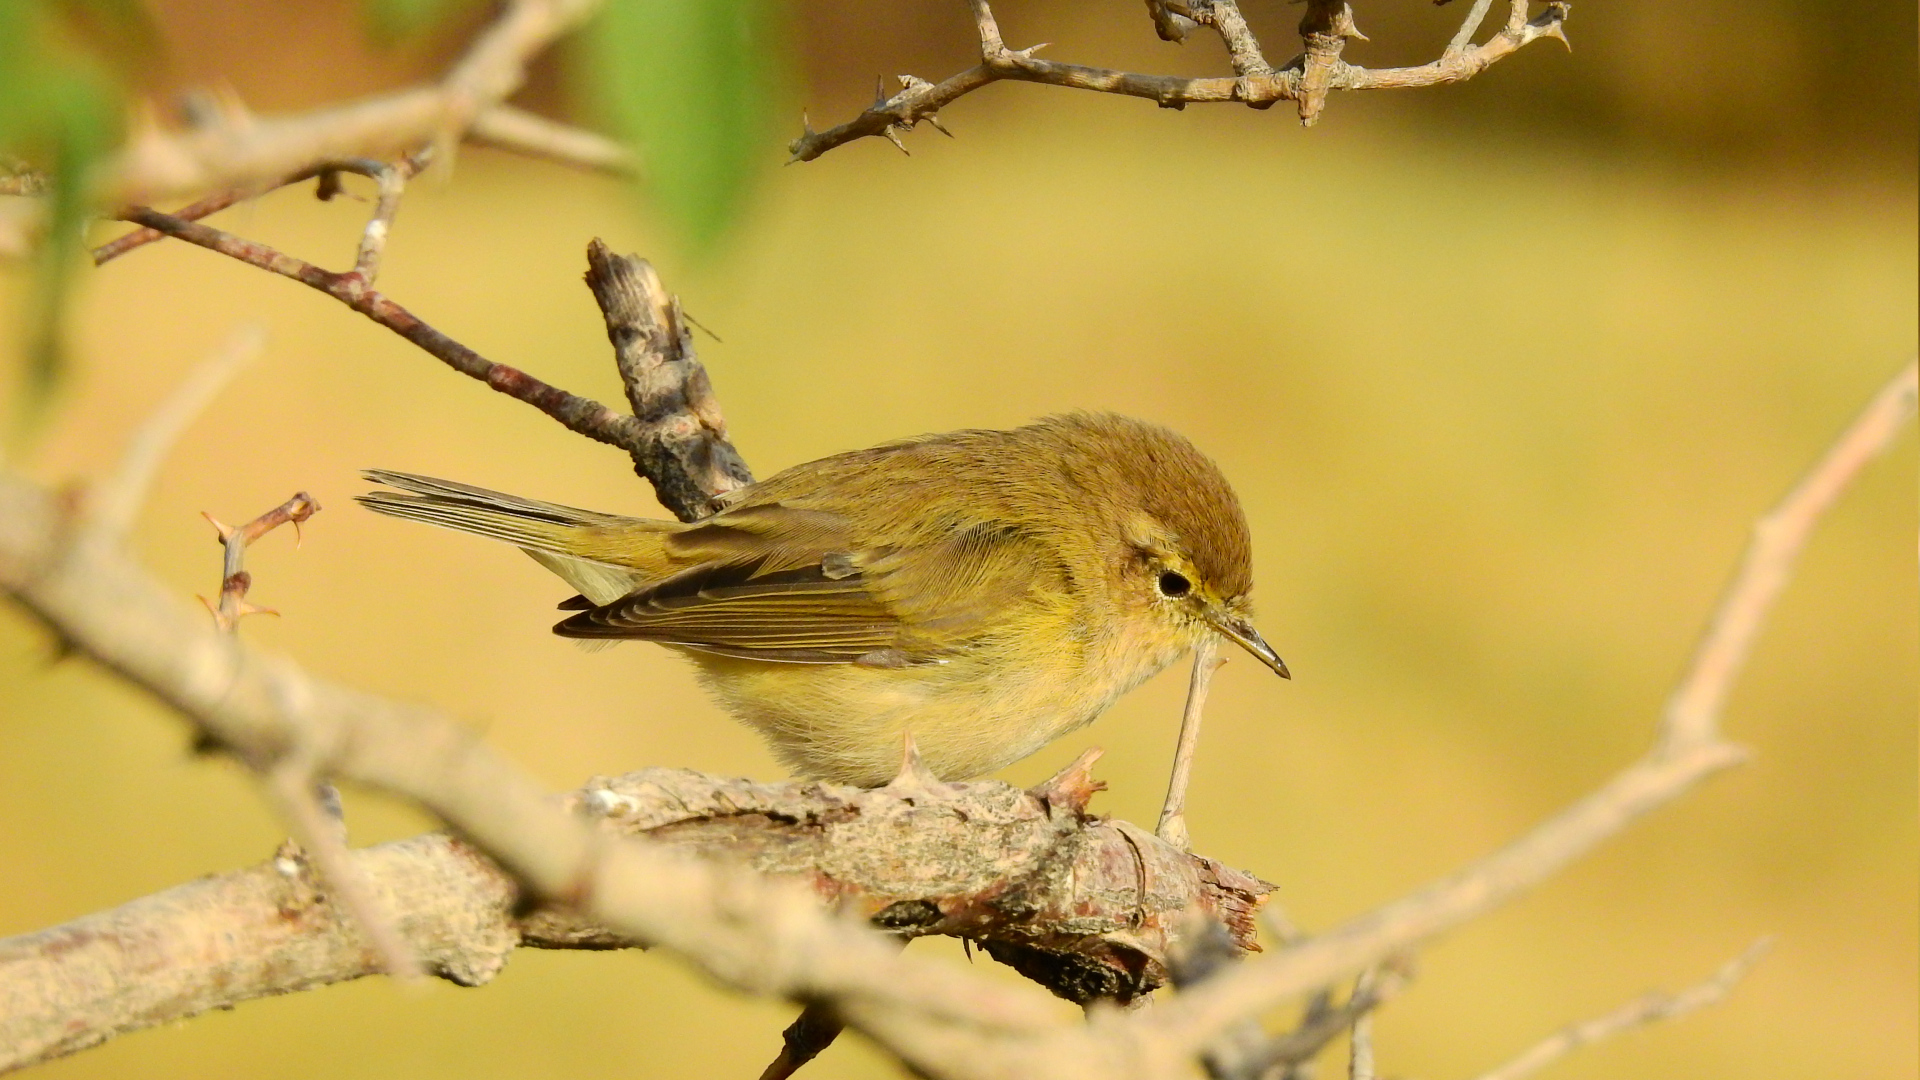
[(1324, 30), (232, 605)]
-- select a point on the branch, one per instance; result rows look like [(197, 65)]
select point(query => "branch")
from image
[(1647, 1010), (507, 128), (234, 150), (580, 415), (1307, 80), (329, 186), (916, 867)]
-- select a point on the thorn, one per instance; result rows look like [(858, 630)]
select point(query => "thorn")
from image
[(893, 137), (208, 604), (254, 609), (1027, 53), (298, 537), (806, 123), (879, 91), (915, 780), (1073, 786), (934, 119), (225, 531), (1343, 24)]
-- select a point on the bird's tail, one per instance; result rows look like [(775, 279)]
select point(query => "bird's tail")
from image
[(605, 556)]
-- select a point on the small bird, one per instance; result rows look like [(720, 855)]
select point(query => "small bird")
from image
[(983, 591)]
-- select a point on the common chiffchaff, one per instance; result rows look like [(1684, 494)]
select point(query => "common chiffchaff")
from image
[(987, 591)]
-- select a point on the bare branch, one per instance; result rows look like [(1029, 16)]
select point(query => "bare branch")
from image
[(219, 201), (1360, 1057), (1693, 712), (1647, 1010), (393, 184), (114, 503), (583, 416), (1468, 27), (234, 579), (507, 128), (228, 938), (1225, 18), (1326, 27), (233, 150)]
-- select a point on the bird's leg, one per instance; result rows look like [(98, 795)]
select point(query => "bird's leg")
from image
[(1173, 814)]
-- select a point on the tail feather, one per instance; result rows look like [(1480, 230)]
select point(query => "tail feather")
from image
[(603, 555)]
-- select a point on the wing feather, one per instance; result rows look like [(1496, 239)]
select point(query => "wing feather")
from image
[(769, 582)]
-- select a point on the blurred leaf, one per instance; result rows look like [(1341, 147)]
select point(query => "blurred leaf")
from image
[(397, 20), (59, 113), (692, 83)]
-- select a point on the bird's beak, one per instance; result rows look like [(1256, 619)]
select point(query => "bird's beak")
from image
[(1241, 632)]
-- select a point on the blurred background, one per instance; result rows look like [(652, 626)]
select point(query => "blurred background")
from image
[(1503, 373)]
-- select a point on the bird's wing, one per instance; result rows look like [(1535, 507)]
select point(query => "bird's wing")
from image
[(777, 583)]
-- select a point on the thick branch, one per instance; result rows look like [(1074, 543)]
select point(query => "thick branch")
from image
[(1025, 873)]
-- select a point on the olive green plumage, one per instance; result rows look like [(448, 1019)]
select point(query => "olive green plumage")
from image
[(986, 590)]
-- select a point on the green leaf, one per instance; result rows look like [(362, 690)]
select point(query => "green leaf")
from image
[(693, 84), (59, 114)]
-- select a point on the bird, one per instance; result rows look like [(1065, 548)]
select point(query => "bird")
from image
[(978, 593)]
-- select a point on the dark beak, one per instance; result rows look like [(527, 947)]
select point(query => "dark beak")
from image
[(1241, 632)]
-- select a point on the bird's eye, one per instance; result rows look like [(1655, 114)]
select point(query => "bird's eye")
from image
[(1172, 584)]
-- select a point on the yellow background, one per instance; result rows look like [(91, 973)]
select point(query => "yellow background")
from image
[(1501, 400)]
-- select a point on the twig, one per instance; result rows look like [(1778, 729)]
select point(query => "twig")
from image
[(1693, 711), (1173, 812), (922, 100), (1646, 1010), (507, 128), (1242, 47), (234, 579), (393, 184), (219, 201), (1360, 1055), (581, 415), (295, 788), (116, 502), (1468, 27), (1324, 1022), (291, 778), (1688, 750)]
